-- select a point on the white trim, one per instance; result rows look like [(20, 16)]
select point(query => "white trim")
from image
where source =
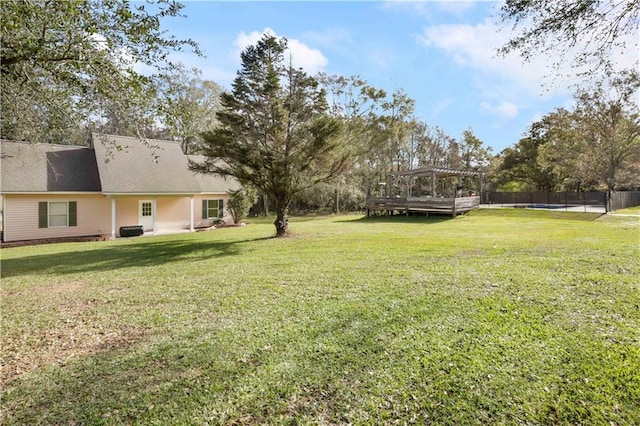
[(113, 218), (52, 193), (154, 205), (145, 226), (114, 194), (191, 213), (149, 194)]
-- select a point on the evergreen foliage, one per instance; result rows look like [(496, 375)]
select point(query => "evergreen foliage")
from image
[(274, 133)]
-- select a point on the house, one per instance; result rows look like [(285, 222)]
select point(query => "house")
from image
[(58, 191)]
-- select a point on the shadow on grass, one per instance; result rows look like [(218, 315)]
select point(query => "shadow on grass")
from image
[(110, 257), (191, 375), (115, 387)]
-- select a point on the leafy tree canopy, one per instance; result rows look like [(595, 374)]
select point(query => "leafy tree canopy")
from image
[(599, 141), (589, 31), (69, 62), (595, 145), (187, 106)]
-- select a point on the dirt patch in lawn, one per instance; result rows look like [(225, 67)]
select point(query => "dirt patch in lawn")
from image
[(58, 347), (63, 327)]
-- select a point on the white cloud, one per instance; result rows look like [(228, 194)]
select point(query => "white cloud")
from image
[(302, 56), (475, 46), (503, 109), (331, 38), (441, 106), (456, 7), (381, 58), (428, 7)]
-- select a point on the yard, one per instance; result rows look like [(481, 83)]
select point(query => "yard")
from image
[(498, 316)]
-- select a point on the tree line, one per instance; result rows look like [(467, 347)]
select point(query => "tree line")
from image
[(593, 146), (82, 66)]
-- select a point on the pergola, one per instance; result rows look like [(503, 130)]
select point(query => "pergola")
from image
[(431, 203), (434, 173)]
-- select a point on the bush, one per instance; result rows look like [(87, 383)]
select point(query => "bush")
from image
[(240, 201)]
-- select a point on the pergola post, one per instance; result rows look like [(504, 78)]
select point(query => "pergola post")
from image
[(433, 184)]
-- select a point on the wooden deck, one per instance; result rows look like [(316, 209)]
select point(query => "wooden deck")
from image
[(452, 206)]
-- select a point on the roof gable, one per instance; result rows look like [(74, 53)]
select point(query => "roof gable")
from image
[(40, 168), (130, 166)]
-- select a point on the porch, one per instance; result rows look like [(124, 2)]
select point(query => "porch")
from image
[(164, 213)]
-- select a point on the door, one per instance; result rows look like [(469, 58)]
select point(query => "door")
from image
[(145, 214)]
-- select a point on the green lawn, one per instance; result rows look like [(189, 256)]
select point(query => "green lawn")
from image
[(629, 210), (498, 316)]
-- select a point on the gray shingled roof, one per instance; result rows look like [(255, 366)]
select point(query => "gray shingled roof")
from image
[(130, 166), (115, 165), (213, 183), (37, 168)]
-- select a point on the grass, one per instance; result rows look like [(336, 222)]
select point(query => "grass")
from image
[(629, 210), (500, 316)]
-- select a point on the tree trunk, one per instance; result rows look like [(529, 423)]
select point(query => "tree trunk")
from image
[(282, 219)]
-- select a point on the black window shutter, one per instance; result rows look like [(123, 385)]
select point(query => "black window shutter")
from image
[(73, 213), (204, 209), (221, 209), (43, 213)]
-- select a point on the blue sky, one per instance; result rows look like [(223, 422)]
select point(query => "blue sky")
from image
[(442, 53)]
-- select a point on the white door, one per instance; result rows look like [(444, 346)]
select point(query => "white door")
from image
[(145, 214)]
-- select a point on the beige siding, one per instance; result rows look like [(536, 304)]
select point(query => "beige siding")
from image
[(126, 212), (94, 214), (172, 213), (21, 217)]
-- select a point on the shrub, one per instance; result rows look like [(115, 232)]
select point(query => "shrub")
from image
[(240, 201)]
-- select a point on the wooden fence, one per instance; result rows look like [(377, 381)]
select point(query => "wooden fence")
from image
[(619, 200)]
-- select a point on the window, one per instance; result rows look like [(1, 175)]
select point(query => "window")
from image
[(57, 213), (212, 209), (147, 209)]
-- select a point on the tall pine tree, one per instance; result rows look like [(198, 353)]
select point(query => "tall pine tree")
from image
[(274, 130)]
